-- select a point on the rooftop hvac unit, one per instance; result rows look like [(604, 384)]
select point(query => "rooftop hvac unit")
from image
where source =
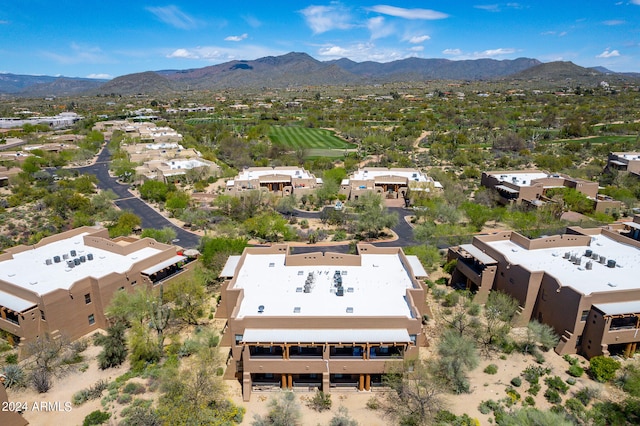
[(90, 256), (48, 262), (65, 256), (588, 253), (589, 265), (595, 256), (56, 259), (602, 259), (573, 258), (578, 261), (73, 253), (567, 255), (83, 259), (260, 309), (340, 291), (70, 263), (611, 263)]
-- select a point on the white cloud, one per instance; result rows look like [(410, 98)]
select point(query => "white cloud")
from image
[(489, 53), (173, 16), (379, 28), (416, 48), (418, 39), (399, 12), (360, 52), (453, 52), (613, 22), (326, 18), (79, 54), (488, 7), (252, 21), (218, 54), (608, 54), (237, 38), (635, 2), (2, 22), (100, 76)]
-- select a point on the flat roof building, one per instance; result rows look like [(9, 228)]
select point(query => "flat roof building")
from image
[(282, 181), (530, 186), (63, 283), (583, 284), (393, 182), (320, 319), (624, 161)]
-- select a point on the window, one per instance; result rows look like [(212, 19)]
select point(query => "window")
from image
[(42, 315), (134, 282), (87, 298), (92, 319), (413, 338), (585, 315), (239, 338)]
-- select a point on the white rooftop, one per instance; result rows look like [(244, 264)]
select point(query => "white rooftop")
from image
[(600, 278), (185, 164), (520, 179), (249, 174), (376, 288), (413, 175), (29, 268)]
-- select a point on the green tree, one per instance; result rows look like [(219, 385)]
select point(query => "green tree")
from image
[(373, 216), (125, 224), (188, 297), (114, 346), (154, 190), (415, 396), (269, 226), (165, 235), (457, 354)]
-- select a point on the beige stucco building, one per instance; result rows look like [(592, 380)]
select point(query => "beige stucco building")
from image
[(282, 181), (391, 182), (320, 320), (530, 186), (63, 284), (624, 161), (582, 283)]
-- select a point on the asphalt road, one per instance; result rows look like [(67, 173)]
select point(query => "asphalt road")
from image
[(152, 219), (127, 201)]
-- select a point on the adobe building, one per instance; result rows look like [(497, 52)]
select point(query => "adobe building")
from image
[(320, 320), (391, 182), (624, 161), (583, 284), (281, 181), (10, 417), (62, 284), (529, 187)]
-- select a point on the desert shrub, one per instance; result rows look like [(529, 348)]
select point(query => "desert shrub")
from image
[(92, 392), (491, 369), (513, 395), (41, 380), (557, 383), (529, 401), (80, 397), (533, 373), (134, 388), (534, 389), (14, 376), (630, 380), (188, 348), (574, 405), (575, 370), (553, 396), (585, 395), (438, 293), (11, 358), (342, 418), (603, 368), (96, 418), (219, 371), (125, 398), (373, 403), (474, 309), (451, 299), (516, 381), (320, 402)]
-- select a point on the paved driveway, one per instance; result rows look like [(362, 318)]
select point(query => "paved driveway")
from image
[(127, 201)]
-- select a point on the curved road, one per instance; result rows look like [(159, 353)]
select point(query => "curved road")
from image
[(127, 201), (152, 219)]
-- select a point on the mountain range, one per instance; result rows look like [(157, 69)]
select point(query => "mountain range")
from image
[(299, 69)]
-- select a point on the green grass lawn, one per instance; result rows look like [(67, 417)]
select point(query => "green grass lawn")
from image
[(294, 138)]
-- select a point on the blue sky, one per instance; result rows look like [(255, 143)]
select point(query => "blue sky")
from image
[(110, 38)]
